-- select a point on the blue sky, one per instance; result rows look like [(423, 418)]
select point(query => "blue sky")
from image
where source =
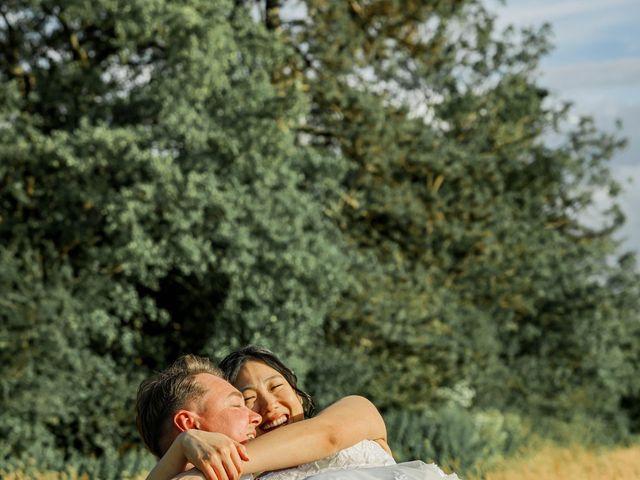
[(596, 65)]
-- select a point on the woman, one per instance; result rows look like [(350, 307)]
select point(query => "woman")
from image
[(354, 426), (270, 389)]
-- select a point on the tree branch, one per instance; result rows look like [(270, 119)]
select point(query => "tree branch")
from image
[(272, 10)]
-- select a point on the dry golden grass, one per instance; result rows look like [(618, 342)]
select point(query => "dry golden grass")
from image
[(57, 476), (548, 463), (554, 463), (41, 476)]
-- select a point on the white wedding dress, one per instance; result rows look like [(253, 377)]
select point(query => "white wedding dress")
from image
[(364, 461)]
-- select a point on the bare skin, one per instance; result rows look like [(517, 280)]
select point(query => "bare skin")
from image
[(284, 438), (340, 426)]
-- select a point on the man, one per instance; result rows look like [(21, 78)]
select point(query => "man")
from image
[(192, 395)]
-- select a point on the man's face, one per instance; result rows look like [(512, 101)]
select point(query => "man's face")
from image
[(221, 409)]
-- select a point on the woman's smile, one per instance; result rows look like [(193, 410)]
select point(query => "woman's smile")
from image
[(266, 392), (270, 425)]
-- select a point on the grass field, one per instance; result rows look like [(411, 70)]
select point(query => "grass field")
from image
[(554, 463), (548, 463)]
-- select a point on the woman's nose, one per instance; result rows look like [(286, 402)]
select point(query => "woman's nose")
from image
[(268, 402)]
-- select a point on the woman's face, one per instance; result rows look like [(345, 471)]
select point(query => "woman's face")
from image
[(266, 392)]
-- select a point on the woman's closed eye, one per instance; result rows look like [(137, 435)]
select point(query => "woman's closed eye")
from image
[(249, 401)]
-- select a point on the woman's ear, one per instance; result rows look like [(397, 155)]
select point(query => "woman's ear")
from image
[(185, 420)]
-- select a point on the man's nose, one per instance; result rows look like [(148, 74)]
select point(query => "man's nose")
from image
[(254, 417)]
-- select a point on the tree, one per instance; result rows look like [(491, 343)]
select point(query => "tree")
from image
[(369, 188), (153, 201), (476, 268)]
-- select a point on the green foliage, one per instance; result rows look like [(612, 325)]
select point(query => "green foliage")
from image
[(372, 192), (56, 387), (156, 204), (473, 263), (112, 465), (455, 438)]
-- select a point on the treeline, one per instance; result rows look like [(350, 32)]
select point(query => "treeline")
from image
[(377, 190)]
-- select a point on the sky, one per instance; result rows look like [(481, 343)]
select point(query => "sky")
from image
[(596, 65)]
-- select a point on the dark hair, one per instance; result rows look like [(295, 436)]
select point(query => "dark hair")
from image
[(232, 363), (166, 392)]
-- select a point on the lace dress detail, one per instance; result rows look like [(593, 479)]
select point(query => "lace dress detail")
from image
[(367, 453), (364, 461)]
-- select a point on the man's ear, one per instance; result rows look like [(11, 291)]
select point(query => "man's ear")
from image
[(185, 420)]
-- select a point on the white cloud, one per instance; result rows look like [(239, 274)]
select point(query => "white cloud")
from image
[(577, 23), (527, 12), (591, 29), (606, 73)]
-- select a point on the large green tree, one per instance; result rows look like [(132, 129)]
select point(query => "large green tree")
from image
[(466, 202), (153, 201)]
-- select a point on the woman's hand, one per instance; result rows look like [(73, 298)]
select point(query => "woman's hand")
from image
[(217, 456)]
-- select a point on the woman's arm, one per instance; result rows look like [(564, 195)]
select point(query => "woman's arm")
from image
[(216, 455), (339, 426)]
